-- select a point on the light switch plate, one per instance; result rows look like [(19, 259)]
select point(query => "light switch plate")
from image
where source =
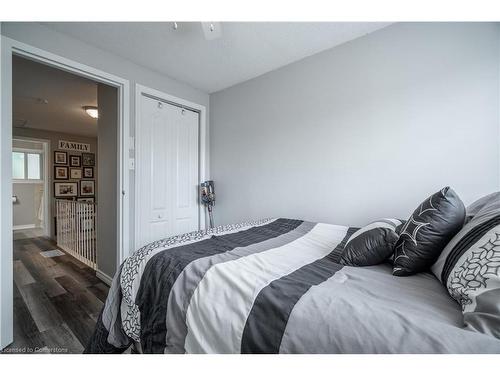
[(131, 164)]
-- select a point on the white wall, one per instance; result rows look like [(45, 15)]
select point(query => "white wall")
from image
[(362, 131), (42, 37)]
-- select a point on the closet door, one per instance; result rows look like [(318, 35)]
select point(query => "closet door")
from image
[(167, 171), (185, 171)]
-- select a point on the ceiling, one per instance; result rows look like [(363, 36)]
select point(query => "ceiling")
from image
[(51, 99), (244, 51)]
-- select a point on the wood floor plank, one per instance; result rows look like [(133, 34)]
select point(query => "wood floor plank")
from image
[(91, 304), (18, 245), (82, 276), (78, 321), (61, 340), (41, 274), (56, 302), (72, 286), (21, 274), (100, 291), (26, 334), (43, 244), (42, 310), (34, 250), (83, 297)]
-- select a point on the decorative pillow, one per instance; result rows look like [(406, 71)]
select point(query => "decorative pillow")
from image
[(487, 201), (371, 244), (469, 267), (428, 230)]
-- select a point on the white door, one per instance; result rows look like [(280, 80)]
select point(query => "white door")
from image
[(167, 169)]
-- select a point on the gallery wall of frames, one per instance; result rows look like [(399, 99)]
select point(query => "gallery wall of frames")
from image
[(74, 175)]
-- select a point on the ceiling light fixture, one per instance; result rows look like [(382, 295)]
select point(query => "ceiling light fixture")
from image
[(91, 111)]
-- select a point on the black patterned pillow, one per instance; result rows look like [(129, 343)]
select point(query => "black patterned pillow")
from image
[(469, 267), (428, 230), (372, 244)]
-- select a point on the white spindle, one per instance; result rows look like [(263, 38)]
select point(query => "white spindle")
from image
[(84, 209)]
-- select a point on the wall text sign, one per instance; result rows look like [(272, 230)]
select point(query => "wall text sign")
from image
[(74, 146)]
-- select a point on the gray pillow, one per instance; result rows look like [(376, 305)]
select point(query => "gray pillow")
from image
[(488, 202), (372, 244), (469, 267)]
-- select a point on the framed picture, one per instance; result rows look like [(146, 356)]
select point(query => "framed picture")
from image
[(88, 172), (75, 173), (60, 157), (87, 188), (60, 173), (65, 189), (75, 161), (88, 160), (86, 199)]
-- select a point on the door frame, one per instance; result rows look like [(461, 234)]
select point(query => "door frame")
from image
[(46, 184), (8, 48), (203, 174)]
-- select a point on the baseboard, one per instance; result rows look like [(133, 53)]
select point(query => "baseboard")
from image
[(26, 226), (103, 277)]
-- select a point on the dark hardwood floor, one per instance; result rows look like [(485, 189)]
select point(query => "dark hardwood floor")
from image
[(56, 300)]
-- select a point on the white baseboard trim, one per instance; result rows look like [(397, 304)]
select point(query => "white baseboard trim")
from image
[(26, 226), (103, 277)]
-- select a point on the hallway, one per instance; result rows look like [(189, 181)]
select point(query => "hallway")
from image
[(56, 299)]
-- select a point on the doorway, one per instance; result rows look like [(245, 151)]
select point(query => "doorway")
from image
[(30, 188), (11, 50)]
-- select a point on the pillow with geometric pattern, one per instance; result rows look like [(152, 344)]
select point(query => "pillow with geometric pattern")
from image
[(469, 267), (428, 230)]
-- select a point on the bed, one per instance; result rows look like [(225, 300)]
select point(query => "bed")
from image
[(275, 286)]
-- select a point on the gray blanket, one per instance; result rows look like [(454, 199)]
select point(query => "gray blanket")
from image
[(275, 286)]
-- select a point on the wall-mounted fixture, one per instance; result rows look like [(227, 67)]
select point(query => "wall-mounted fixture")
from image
[(91, 111), (212, 30)]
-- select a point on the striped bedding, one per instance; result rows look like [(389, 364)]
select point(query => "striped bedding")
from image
[(274, 286)]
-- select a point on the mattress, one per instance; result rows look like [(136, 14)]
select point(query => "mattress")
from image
[(275, 286)]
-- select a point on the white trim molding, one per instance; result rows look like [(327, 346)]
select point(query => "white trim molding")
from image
[(203, 174), (104, 277), (26, 226), (6, 291), (10, 47)]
